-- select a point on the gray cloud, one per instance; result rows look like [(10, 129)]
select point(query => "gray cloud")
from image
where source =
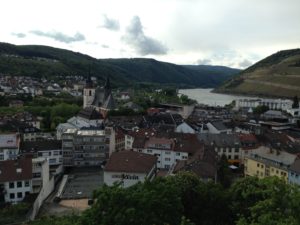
[(110, 24), (58, 36), (141, 43), (245, 63), (19, 35), (204, 62)]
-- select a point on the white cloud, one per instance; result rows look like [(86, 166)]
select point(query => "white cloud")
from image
[(59, 36), (141, 43), (225, 32), (110, 24)]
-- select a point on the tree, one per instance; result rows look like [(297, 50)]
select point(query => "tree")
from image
[(295, 104), (265, 201), (260, 109), (224, 173)]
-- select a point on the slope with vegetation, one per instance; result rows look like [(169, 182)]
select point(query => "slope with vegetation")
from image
[(34, 60), (277, 76)]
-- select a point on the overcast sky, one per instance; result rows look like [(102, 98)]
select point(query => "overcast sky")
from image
[(235, 33)]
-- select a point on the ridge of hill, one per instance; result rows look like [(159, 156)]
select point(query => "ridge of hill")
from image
[(37, 60), (278, 75)]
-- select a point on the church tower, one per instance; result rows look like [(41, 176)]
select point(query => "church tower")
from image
[(88, 92)]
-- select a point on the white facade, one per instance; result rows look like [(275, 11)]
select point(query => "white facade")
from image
[(15, 191), (294, 112), (126, 179), (128, 141), (165, 158), (279, 104), (54, 157), (9, 146)]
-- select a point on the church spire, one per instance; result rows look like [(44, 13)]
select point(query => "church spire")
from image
[(88, 81), (107, 84)]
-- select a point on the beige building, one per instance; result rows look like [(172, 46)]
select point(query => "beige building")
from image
[(268, 162)]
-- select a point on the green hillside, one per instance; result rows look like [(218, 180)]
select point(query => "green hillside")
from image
[(35, 60), (277, 75)]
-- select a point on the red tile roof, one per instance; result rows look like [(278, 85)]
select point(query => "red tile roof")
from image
[(130, 162), (14, 170)]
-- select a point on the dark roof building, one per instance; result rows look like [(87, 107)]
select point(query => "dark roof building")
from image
[(35, 146), (130, 162), (15, 170)]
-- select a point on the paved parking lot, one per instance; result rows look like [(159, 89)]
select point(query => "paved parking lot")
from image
[(82, 183)]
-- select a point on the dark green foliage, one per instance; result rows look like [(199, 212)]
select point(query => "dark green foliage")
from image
[(260, 109), (295, 102), (184, 199), (65, 220), (224, 175), (34, 60), (13, 213)]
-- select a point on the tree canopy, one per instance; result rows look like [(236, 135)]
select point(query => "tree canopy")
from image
[(185, 199)]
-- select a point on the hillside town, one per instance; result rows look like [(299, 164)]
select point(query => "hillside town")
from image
[(55, 169)]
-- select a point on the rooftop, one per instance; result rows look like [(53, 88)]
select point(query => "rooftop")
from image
[(34, 146), (130, 162), (14, 170)]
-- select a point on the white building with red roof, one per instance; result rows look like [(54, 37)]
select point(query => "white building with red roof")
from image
[(129, 168)]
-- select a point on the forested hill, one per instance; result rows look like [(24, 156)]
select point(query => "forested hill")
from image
[(278, 75), (35, 60)]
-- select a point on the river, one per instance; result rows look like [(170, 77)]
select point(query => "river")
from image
[(205, 96)]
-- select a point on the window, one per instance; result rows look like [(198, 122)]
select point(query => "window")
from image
[(12, 195), (262, 166), (229, 150), (167, 159), (178, 153), (149, 151), (167, 152), (237, 150), (51, 161), (36, 175), (12, 185), (20, 195), (257, 164), (27, 183), (236, 157), (229, 157), (19, 184)]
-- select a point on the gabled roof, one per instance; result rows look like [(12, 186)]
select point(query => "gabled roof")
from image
[(90, 113), (203, 164), (130, 162), (15, 170)]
